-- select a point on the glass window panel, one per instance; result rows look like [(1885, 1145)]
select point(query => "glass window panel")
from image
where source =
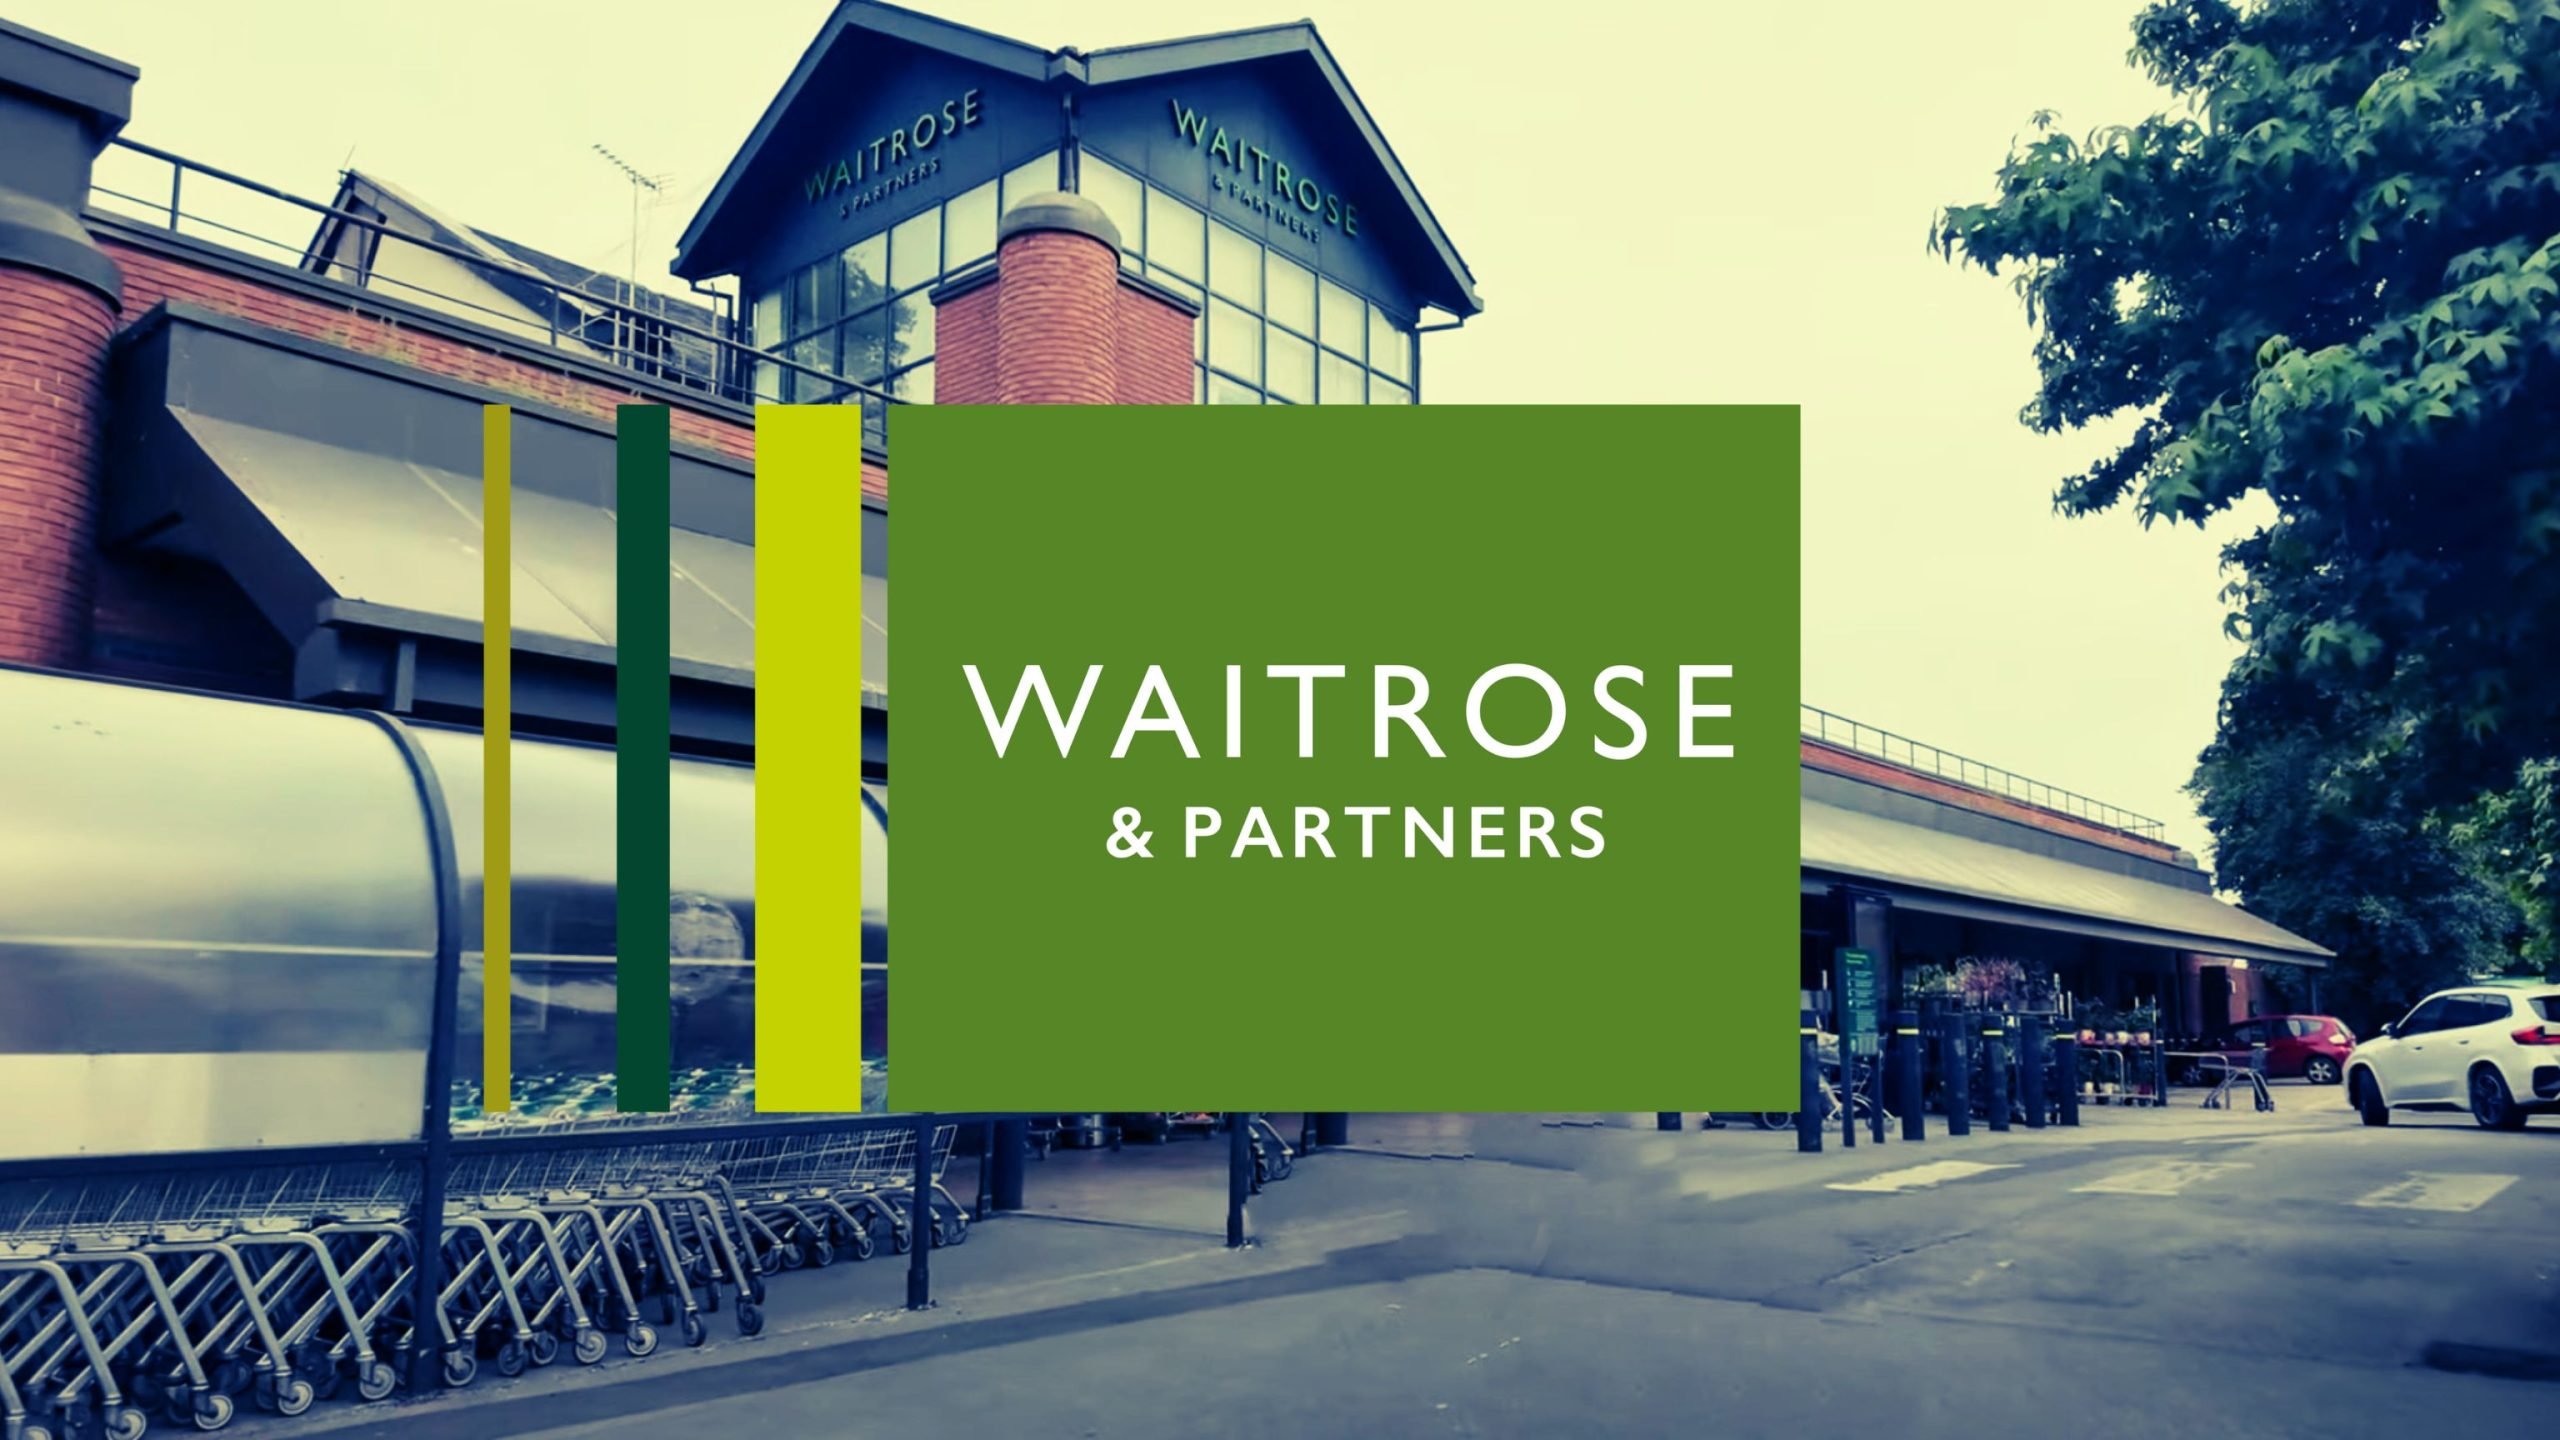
[(1223, 391), (866, 273), (1390, 349), (817, 298), (1122, 198), (818, 352), (1031, 177), (969, 227), (1173, 234), (1235, 341), (1235, 266), (1290, 365), (915, 250), (911, 329), (1344, 323), (1291, 297), (865, 348), (914, 385), (1383, 391), (768, 319), (1339, 382)]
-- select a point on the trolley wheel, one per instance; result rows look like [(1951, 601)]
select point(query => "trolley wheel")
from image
[(375, 1380), (510, 1358), (295, 1396), (899, 1239), (461, 1367), (789, 1255), (821, 1254), (232, 1376), (589, 1347), (148, 1387), (863, 1246), (212, 1412), (542, 1348), (692, 1328), (33, 1431), (123, 1423), (640, 1340), (750, 1317)]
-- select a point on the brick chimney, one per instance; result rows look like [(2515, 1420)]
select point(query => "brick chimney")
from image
[(1055, 320), (59, 294)]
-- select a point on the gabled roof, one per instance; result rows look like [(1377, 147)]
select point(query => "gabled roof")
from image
[(1123, 63), (856, 20)]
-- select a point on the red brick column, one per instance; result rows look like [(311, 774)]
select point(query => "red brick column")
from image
[(1056, 321), (1057, 309), (53, 348)]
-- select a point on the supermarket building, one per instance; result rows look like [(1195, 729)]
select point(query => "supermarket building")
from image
[(239, 574)]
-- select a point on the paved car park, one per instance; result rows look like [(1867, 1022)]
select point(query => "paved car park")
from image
[(2152, 1272)]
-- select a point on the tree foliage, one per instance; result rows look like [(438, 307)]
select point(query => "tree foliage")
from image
[(2333, 281)]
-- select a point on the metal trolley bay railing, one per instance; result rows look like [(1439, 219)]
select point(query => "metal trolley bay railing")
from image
[(188, 1286)]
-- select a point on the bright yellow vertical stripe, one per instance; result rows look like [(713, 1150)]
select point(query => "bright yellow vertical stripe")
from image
[(808, 757), (497, 724)]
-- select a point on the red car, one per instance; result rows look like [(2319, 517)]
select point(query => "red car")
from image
[(2312, 1047)]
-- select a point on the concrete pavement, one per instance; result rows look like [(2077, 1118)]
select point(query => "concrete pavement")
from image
[(2155, 1272)]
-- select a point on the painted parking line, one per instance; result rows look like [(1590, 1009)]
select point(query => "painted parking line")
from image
[(1917, 1177), (2171, 1177), (2446, 1190)]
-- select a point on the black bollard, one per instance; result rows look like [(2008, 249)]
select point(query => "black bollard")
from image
[(1995, 1073), (1906, 1074), (920, 1220), (2033, 1056), (1013, 1137), (1667, 1119), (1957, 1058), (1808, 1090), (1239, 1176), (1333, 1127), (2066, 1063)]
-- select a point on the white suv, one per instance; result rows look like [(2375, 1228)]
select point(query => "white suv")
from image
[(2492, 1050)]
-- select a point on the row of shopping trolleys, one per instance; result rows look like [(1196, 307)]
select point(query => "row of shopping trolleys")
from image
[(187, 1294)]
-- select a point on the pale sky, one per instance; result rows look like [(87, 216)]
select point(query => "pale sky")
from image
[(1666, 202)]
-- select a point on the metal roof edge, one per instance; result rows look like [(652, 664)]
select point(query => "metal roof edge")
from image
[(949, 37)]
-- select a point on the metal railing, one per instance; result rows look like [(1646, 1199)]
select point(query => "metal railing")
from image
[(600, 328), (1847, 734)]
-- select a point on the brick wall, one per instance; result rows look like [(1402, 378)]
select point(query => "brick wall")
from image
[(1895, 777), (1057, 312), (1153, 350), (152, 275), (53, 345), (1060, 324), (964, 344)]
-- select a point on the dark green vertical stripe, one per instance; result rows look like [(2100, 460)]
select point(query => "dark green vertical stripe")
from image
[(640, 761)]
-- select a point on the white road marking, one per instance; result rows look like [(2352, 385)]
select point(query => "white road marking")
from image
[(1917, 1177), (2451, 1191), (2171, 1177)]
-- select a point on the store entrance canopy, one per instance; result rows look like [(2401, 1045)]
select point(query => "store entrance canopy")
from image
[(343, 497), (1929, 870)]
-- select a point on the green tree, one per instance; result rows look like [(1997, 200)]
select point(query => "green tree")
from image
[(2334, 281)]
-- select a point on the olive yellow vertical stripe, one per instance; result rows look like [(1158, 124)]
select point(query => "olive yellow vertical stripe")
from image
[(497, 724), (808, 585)]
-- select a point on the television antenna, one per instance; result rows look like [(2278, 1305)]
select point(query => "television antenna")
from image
[(640, 181)]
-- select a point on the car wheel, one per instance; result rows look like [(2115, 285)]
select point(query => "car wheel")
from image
[(2491, 1105), (2320, 1070), (2367, 1098)]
